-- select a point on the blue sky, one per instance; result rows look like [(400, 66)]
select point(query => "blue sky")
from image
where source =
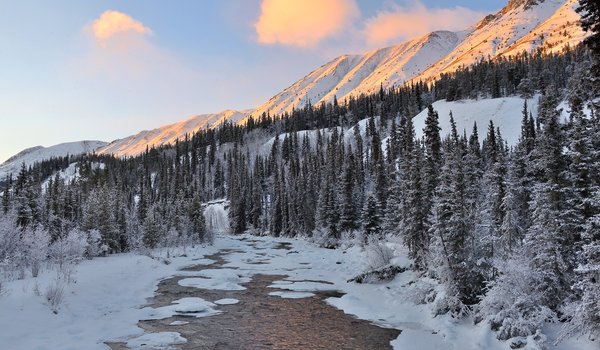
[(70, 70)]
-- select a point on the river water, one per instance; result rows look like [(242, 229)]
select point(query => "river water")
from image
[(261, 321)]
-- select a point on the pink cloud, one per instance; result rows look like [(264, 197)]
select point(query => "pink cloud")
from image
[(121, 50), (112, 24), (415, 19), (303, 23)]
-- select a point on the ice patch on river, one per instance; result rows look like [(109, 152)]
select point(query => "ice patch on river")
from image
[(292, 295), (156, 341), (196, 307), (302, 286), (218, 279)]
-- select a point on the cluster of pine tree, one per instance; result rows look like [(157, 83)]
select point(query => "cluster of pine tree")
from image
[(513, 232)]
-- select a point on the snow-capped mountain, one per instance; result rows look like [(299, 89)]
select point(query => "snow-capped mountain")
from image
[(39, 153), (129, 146), (137, 143), (520, 25), (356, 74)]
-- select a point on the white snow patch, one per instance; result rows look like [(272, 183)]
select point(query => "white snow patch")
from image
[(156, 341), (505, 112), (292, 295), (218, 279), (301, 286), (196, 307), (227, 301), (192, 305)]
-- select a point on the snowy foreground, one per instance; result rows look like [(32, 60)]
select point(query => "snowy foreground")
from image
[(106, 297)]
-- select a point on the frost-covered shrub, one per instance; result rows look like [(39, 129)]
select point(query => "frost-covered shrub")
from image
[(513, 305), (321, 237), (378, 253), (3, 291), (95, 246), (351, 238), (448, 302), (35, 243), (422, 291), (12, 256), (135, 242), (171, 239), (69, 249), (55, 294)]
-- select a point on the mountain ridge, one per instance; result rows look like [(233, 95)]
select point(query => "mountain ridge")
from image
[(522, 25), (166, 134), (38, 153)]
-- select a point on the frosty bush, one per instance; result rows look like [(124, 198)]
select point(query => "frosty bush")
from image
[(12, 260), (3, 290), (422, 291), (35, 243), (322, 238), (351, 238), (378, 253), (512, 304), (55, 294), (448, 302), (69, 249), (95, 246)]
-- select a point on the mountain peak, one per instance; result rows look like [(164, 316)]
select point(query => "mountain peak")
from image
[(513, 4)]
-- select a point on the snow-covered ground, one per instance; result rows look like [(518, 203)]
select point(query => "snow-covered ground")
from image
[(106, 297), (505, 112)]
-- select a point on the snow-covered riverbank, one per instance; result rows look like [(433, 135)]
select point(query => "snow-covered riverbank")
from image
[(106, 297)]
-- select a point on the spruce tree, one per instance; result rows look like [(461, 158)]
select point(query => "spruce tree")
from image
[(590, 21), (371, 218), (196, 213)]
